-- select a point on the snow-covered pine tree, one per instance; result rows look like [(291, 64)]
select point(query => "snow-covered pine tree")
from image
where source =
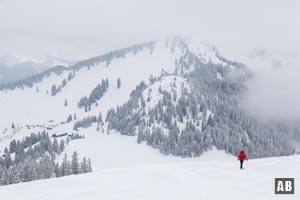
[(84, 166), (89, 166), (118, 83), (62, 146), (75, 163), (53, 90)]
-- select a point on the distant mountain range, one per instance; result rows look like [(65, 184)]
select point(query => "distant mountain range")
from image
[(14, 68)]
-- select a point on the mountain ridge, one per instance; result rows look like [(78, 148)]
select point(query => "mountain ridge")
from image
[(107, 57)]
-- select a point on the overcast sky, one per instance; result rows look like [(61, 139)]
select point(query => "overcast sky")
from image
[(80, 29), (83, 28)]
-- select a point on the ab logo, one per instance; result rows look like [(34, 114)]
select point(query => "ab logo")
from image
[(284, 185)]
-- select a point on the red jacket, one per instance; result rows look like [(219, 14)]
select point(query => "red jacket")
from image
[(242, 156)]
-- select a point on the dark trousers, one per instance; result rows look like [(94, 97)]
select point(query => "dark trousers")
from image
[(241, 161)]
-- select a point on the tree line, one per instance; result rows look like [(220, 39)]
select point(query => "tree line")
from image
[(34, 159)]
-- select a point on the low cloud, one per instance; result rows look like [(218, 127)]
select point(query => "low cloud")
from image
[(274, 91)]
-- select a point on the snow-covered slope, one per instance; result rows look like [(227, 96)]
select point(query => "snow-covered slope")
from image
[(153, 94), (213, 179)]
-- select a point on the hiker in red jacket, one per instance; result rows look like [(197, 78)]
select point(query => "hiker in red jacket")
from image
[(241, 157)]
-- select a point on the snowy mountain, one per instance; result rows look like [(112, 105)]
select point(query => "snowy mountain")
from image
[(14, 68), (178, 96)]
